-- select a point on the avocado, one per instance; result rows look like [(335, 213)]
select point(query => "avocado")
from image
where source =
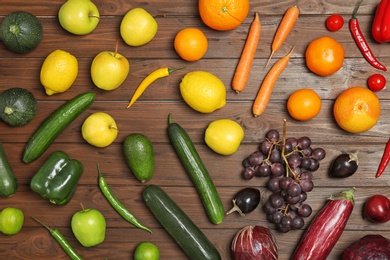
[(139, 155)]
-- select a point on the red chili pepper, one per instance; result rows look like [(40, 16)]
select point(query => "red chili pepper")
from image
[(361, 41), (381, 24), (384, 161)]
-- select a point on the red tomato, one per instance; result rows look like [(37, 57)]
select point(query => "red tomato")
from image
[(376, 82), (377, 209), (334, 22)]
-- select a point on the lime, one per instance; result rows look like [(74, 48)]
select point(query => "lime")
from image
[(224, 136), (146, 251), (11, 221)]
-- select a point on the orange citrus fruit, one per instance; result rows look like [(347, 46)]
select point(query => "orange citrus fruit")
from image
[(191, 44), (304, 104), (356, 109), (324, 56), (223, 15)]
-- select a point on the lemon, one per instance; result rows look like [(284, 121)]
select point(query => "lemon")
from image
[(58, 72), (146, 251), (11, 221), (203, 91), (224, 136)]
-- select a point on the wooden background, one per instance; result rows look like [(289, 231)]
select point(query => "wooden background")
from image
[(149, 116)]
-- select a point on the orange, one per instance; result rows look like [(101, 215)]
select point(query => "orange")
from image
[(356, 109), (304, 104), (191, 44), (223, 15), (324, 56)]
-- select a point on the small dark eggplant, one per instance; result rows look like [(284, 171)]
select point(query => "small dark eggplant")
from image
[(344, 165), (245, 201)]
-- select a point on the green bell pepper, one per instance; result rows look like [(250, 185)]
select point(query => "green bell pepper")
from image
[(56, 180)]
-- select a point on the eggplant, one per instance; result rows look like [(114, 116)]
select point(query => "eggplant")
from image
[(344, 165), (245, 201)]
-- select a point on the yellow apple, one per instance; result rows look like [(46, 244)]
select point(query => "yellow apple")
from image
[(99, 129), (138, 27), (109, 70)]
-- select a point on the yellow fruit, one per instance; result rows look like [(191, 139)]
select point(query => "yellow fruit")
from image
[(224, 136), (203, 91), (58, 72)]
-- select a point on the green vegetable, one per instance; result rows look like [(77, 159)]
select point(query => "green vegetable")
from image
[(18, 106), (197, 171), (61, 240), (56, 180), (139, 155), (53, 126), (8, 181), (181, 228), (21, 32), (117, 205)]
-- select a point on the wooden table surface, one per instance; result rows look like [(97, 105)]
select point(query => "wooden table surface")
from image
[(149, 117)]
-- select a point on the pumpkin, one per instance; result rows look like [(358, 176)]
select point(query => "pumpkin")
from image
[(18, 106), (21, 32)]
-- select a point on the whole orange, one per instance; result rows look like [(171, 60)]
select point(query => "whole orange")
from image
[(223, 15), (191, 44), (304, 104), (356, 109), (324, 56)]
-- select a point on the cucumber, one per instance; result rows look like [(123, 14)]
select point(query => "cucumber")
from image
[(8, 181), (197, 171), (179, 226), (54, 124)]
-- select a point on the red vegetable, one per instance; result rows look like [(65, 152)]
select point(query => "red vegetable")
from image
[(377, 209), (384, 161), (325, 228), (376, 82), (334, 22), (381, 24), (254, 243), (361, 42), (368, 247)]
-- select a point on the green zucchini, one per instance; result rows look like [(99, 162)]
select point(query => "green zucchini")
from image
[(8, 181), (179, 226), (197, 171), (54, 124)]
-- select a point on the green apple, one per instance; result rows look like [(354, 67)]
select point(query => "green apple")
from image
[(109, 70), (99, 129), (138, 27), (79, 16), (89, 227), (11, 221)]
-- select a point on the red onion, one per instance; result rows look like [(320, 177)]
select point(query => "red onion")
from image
[(254, 243), (368, 247)]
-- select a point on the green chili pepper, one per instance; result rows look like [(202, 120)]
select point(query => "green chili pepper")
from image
[(61, 240), (56, 180), (117, 205)]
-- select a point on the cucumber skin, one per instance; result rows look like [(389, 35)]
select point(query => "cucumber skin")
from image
[(179, 226), (53, 125), (8, 181), (197, 172)]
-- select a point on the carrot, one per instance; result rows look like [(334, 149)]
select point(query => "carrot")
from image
[(284, 29), (265, 91), (241, 75)]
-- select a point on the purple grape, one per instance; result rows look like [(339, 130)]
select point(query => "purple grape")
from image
[(272, 135), (246, 163), (275, 156), (297, 223), (273, 184), (292, 199), (288, 148), (319, 154), (265, 147), (268, 209), (286, 221), (305, 163), (294, 160), (248, 173), (276, 201), (263, 170), (304, 210), (304, 142), (284, 182), (293, 141), (255, 158), (277, 169), (314, 165), (294, 189), (277, 217), (306, 175), (306, 185), (303, 196)]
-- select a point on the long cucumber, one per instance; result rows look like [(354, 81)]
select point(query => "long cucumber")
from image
[(197, 171), (181, 228), (54, 124)]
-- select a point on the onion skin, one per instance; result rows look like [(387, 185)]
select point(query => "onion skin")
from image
[(254, 243), (325, 228), (368, 247)]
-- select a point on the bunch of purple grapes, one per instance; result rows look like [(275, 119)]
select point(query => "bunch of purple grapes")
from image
[(289, 163)]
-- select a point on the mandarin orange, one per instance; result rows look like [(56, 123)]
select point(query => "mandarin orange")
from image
[(191, 44), (304, 104)]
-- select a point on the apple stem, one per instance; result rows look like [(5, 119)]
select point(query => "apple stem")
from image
[(116, 48), (82, 206), (113, 127)]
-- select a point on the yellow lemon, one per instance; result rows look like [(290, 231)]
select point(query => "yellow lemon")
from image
[(58, 72), (203, 91), (224, 136)]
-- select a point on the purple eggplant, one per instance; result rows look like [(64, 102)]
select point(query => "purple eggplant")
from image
[(245, 201)]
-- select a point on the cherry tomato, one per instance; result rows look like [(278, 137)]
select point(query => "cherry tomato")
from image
[(376, 82), (377, 209), (334, 22)]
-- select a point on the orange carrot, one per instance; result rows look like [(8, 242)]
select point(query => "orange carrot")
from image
[(241, 75), (265, 91), (284, 29)]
